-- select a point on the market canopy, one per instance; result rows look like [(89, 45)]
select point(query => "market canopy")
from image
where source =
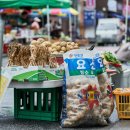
[(58, 11), (34, 3)]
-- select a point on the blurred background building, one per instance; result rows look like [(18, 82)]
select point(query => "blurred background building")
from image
[(93, 10)]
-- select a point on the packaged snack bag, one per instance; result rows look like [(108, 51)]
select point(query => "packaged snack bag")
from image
[(81, 93)]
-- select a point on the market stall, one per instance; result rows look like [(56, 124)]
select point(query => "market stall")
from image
[(76, 88), (37, 77), (34, 69), (33, 4), (68, 12)]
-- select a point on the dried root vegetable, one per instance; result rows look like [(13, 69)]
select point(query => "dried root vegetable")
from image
[(56, 47), (24, 54), (42, 56), (62, 47), (38, 53), (33, 50), (13, 54)]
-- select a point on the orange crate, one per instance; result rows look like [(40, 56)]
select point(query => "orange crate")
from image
[(123, 102)]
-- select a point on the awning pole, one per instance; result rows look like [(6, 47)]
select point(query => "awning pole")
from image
[(48, 22), (126, 20), (70, 25), (42, 20)]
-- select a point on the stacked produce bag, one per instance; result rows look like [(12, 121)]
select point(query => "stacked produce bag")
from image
[(38, 53), (87, 95)]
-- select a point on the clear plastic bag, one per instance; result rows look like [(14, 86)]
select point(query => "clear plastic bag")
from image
[(82, 95)]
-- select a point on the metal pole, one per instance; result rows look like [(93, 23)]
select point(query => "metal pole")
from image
[(126, 20), (70, 25), (48, 22), (1, 42), (95, 24), (42, 20)]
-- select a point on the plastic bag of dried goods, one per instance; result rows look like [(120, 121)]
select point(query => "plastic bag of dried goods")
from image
[(81, 94), (106, 97)]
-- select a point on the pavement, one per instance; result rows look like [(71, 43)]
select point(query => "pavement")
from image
[(7, 121)]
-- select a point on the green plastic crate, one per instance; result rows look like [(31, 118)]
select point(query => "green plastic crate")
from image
[(38, 104)]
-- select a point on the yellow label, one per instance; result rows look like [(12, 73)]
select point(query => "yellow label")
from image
[(91, 95)]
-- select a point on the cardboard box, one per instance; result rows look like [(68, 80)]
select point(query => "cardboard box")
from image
[(32, 73), (36, 73)]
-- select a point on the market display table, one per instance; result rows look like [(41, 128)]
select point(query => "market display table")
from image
[(35, 36), (29, 38), (38, 100)]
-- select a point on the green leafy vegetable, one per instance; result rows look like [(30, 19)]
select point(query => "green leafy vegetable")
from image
[(111, 58)]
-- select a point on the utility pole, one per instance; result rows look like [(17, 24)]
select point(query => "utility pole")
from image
[(75, 18), (81, 18), (126, 20)]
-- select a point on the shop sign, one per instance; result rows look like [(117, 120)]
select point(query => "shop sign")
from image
[(90, 4), (89, 18), (124, 10)]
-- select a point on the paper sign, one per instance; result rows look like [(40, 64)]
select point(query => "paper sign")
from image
[(5, 79), (89, 17)]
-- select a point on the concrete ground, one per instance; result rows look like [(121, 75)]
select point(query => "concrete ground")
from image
[(7, 121), (11, 124)]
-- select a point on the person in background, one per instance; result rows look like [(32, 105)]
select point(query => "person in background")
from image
[(58, 26), (24, 19), (123, 53), (55, 33), (49, 25), (74, 32), (55, 25), (122, 28), (35, 25)]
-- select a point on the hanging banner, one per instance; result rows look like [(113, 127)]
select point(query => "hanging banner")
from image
[(124, 8), (90, 4), (89, 18)]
